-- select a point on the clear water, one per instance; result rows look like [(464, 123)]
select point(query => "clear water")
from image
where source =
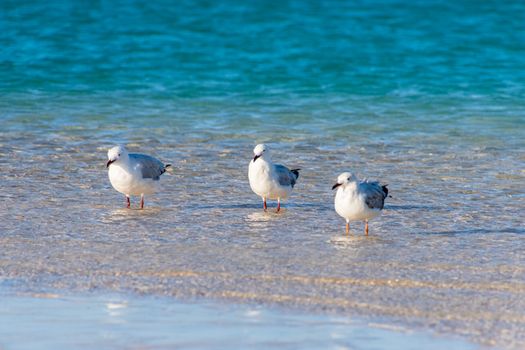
[(427, 97), (118, 322)]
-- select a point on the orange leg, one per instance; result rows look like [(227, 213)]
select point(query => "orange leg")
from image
[(347, 228), (278, 205), (264, 204), (128, 202), (366, 227), (141, 201)]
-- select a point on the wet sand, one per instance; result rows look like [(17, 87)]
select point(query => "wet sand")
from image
[(124, 321)]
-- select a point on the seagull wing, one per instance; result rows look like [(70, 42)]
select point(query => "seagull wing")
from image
[(151, 168), (373, 193), (285, 176)]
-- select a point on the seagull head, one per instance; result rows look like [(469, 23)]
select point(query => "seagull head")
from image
[(259, 151), (343, 179), (115, 154)]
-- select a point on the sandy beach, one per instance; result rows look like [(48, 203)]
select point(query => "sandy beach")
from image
[(426, 97)]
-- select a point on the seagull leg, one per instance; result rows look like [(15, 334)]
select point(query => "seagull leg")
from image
[(264, 204), (278, 205), (128, 202), (142, 201), (347, 227), (366, 227)]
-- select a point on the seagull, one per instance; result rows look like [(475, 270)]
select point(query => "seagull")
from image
[(134, 174), (358, 200), (269, 180)]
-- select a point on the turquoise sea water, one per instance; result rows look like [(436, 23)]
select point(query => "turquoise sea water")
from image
[(197, 49), (427, 96), (380, 70)]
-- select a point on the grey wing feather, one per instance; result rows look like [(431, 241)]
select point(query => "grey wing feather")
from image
[(151, 168), (374, 194), (285, 176)]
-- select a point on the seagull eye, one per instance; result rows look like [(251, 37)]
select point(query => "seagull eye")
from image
[(119, 154), (347, 179)]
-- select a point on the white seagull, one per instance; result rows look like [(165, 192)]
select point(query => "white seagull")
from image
[(269, 180), (134, 174), (355, 200)]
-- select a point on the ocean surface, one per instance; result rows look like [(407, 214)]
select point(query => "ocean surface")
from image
[(427, 96)]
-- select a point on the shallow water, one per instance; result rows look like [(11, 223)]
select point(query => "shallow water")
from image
[(379, 89), (53, 321)]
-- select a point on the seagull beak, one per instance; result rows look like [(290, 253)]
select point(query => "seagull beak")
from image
[(109, 162), (335, 186), (255, 158)]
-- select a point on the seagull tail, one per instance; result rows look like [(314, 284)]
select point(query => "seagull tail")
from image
[(296, 173), (385, 191)]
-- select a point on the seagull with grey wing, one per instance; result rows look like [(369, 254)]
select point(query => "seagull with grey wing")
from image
[(358, 200), (134, 174), (269, 180)]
